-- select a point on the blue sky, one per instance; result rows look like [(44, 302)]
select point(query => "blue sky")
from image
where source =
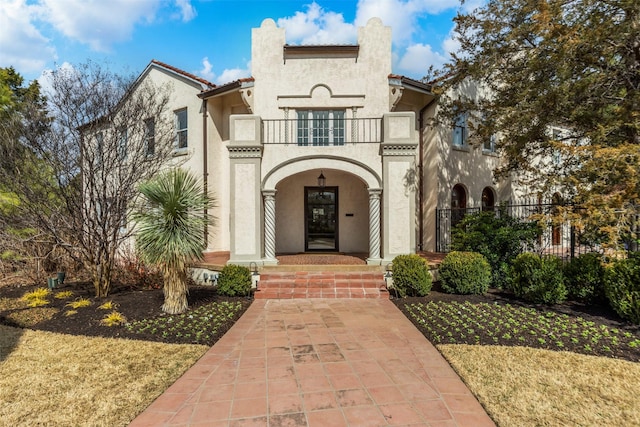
[(210, 38)]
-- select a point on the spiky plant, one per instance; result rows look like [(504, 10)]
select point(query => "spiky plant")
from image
[(170, 230)]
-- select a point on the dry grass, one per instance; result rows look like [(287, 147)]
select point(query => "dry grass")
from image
[(55, 379), (522, 386)]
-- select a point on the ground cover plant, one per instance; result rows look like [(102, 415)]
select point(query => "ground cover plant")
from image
[(496, 319), (128, 313)]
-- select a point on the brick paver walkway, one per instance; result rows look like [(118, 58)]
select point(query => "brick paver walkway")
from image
[(319, 362)]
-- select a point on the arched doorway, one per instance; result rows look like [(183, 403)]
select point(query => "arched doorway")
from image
[(488, 199), (458, 203)]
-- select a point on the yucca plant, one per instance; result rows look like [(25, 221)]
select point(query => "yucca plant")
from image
[(170, 230)]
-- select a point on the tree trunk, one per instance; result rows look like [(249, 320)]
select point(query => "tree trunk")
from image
[(175, 290), (102, 279)]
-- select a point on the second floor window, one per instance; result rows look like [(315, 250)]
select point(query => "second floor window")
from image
[(150, 136), (460, 131), (181, 128), (321, 127), (489, 145), (122, 143)]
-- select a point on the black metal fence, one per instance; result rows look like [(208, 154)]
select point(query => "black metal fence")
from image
[(558, 235)]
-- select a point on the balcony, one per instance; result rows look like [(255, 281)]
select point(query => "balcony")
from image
[(322, 131)]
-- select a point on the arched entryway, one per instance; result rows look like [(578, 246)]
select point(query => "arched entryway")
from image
[(315, 218), (341, 212)]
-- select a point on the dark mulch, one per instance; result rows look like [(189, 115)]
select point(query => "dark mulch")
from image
[(598, 314), (134, 303)]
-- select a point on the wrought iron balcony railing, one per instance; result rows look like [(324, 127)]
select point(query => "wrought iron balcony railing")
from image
[(322, 132)]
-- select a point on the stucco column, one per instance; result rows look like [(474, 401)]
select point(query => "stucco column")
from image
[(374, 226), (399, 180), (269, 226)]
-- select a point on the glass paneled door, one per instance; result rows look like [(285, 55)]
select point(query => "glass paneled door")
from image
[(321, 222)]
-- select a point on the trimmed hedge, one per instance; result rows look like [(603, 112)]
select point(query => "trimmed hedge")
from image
[(411, 276), (622, 288), (465, 273), (538, 279), (584, 278), (497, 236), (234, 280)]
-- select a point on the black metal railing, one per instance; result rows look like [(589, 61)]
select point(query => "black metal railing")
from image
[(330, 132), (558, 235)]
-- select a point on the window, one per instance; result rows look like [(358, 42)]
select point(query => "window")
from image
[(489, 145), (460, 131), (150, 136), (458, 203), (488, 199), (122, 143), (321, 127), (181, 128), (99, 148)]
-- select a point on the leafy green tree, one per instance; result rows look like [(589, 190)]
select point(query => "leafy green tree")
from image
[(170, 228), (21, 240), (527, 66)]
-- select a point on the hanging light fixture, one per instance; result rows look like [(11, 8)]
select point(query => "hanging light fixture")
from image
[(321, 180)]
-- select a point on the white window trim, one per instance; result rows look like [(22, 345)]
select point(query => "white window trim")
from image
[(308, 131)]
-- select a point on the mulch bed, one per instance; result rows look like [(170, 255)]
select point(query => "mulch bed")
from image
[(598, 314), (132, 302)]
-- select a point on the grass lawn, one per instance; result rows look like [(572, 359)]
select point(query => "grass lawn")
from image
[(64, 380)]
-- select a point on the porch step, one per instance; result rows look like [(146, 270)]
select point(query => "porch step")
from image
[(321, 284)]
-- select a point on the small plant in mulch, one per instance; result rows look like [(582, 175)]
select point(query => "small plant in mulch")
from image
[(79, 303), (109, 305), (198, 326), (37, 298), (453, 322), (63, 294), (113, 319), (70, 313)]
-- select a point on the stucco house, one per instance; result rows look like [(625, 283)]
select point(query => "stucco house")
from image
[(324, 149)]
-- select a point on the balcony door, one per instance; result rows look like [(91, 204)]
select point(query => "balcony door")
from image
[(321, 127), (321, 219)]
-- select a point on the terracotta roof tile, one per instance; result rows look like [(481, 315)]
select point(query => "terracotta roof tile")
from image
[(184, 73)]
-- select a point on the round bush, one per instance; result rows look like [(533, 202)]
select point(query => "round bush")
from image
[(234, 280), (538, 279), (622, 288), (584, 278), (465, 273), (411, 276)]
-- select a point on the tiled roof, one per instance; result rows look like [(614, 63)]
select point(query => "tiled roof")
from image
[(184, 73)]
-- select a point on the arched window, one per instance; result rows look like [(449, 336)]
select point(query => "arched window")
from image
[(488, 199), (458, 203)]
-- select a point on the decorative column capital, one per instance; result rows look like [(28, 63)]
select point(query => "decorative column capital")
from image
[(375, 193), (269, 194)]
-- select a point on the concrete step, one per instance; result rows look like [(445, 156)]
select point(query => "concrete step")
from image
[(321, 284)]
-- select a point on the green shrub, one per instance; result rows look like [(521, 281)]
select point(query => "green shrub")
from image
[(411, 276), (465, 273), (584, 278), (497, 236), (622, 288), (234, 280), (538, 279)]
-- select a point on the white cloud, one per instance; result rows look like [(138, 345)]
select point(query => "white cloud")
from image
[(187, 11), (207, 70), (232, 74), (94, 22), (22, 45), (418, 58), (317, 26)]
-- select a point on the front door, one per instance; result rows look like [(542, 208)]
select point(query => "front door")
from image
[(321, 222)]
